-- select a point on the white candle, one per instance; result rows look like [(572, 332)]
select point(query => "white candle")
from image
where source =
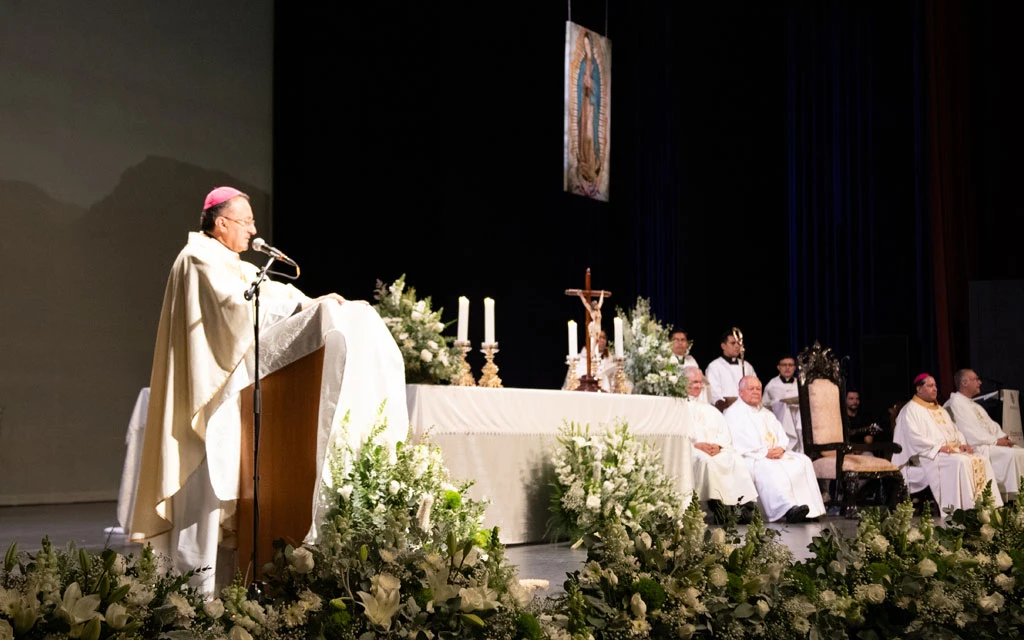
[(489, 320), (573, 349), (463, 332), (618, 336)]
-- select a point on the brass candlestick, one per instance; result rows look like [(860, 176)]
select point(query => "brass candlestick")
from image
[(619, 381), (489, 377), (571, 379), (465, 377)]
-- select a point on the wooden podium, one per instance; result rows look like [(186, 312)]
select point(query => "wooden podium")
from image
[(288, 474)]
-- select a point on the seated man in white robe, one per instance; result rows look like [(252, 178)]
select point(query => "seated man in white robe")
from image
[(984, 434), (720, 475), (784, 479), (783, 399), (205, 334), (724, 373), (935, 454)]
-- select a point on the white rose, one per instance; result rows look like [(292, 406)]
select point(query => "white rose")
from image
[(718, 536), (762, 608), (426, 355), (117, 617), (393, 487), (439, 326), (914, 535), (991, 603), (1005, 582), (1003, 561), (416, 316), (238, 633), (214, 608), (673, 379), (593, 502), (987, 532), (718, 576), (984, 516), (638, 606), (432, 345), (302, 560), (119, 566), (345, 491), (874, 593), (927, 568), (478, 599), (879, 544)]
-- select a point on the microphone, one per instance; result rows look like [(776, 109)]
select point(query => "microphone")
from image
[(259, 244)]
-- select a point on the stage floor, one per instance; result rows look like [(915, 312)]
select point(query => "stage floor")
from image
[(93, 526)]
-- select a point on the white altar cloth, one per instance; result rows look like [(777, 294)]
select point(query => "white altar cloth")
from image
[(503, 439)]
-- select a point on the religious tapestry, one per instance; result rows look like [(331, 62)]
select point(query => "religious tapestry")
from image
[(588, 102)]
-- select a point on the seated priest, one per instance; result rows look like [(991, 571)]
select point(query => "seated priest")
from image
[(784, 479), (984, 434), (202, 360), (935, 454), (720, 475)]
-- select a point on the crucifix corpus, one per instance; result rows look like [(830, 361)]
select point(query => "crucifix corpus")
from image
[(592, 301)]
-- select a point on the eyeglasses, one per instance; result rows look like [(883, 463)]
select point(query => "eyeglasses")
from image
[(246, 222)]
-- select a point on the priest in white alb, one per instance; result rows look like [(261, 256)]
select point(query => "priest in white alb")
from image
[(720, 475), (784, 479), (203, 359), (935, 454), (724, 373), (984, 434), (783, 399)]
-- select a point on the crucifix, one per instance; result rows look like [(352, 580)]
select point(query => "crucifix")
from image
[(593, 308)]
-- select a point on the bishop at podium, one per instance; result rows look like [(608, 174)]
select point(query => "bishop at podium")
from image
[(204, 357)]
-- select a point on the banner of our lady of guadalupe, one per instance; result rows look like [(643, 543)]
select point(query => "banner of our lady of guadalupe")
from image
[(588, 109)]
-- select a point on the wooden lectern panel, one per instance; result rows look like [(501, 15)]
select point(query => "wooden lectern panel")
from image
[(288, 477)]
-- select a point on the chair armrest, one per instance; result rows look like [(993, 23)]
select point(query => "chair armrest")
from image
[(831, 446)]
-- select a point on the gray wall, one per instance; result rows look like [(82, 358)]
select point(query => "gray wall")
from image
[(116, 118)]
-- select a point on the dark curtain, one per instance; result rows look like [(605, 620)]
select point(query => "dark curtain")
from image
[(859, 247)]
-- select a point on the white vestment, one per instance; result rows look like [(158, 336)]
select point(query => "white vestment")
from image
[(775, 395), (955, 478), (203, 359), (724, 378), (982, 433), (783, 483), (605, 373), (723, 476)]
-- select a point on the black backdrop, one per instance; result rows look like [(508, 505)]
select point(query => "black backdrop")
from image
[(773, 168)]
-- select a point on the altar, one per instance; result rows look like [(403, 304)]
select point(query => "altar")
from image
[(503, 440)]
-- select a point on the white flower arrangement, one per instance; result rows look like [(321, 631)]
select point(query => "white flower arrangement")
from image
[(430, 357), (650, 363)]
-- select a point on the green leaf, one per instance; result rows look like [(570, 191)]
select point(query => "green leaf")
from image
[(11, 558), (744, 610), (474, 619)]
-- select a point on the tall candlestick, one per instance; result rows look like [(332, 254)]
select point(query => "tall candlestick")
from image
[(617, 322), (573, 349), (489, 320), (463, 332)]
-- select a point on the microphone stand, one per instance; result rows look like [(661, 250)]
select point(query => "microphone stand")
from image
[(253, 293)]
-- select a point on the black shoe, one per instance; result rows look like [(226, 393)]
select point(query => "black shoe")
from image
[(747, 513), (797, 513)]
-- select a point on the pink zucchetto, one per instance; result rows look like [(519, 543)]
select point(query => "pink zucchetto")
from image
[(921, 377), (221, 194)]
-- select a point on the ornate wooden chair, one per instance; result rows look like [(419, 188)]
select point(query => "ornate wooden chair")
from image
[(826, 430)]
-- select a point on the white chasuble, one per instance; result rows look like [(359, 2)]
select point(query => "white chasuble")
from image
[(723, 476), (783, 483), (955, 479), (982, 433)]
